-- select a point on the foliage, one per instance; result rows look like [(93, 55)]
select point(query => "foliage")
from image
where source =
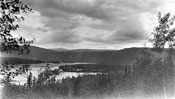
[(164, 33), (10, 15), (97, 86), (169, 73), (48, 75), (148, 74), (9, 71)]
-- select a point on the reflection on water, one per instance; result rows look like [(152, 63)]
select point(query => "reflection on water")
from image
[(35, 69)]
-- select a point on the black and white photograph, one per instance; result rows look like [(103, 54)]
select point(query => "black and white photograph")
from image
[(87, 49)]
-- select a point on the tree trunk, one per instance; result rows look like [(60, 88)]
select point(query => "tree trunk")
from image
[(164, 85)]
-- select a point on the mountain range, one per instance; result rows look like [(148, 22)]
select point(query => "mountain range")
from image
[(110, 57)]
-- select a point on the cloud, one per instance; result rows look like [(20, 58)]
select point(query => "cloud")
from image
[(55, 8), (59, 37), (130, 31), (97, 22), (98, 9), (31, 27)]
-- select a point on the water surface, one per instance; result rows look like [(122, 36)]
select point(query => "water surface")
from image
[(35, 69)]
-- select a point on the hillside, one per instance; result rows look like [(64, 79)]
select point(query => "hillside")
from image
[(110, 57), (12, 60), (59, 49)]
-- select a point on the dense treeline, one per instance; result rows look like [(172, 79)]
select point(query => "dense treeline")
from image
[(12, 60), (91, 68)]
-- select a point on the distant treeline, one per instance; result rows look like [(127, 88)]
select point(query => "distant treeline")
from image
[(90, 68), (12, 60)]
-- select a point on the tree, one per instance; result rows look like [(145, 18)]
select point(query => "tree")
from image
[(10, 15), (48, 75), (9, 74), (164, 34)]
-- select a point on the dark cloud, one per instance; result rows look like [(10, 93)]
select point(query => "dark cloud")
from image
[(56, 8), (95, 9)]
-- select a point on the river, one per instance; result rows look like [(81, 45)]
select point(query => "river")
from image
[(35, 69)]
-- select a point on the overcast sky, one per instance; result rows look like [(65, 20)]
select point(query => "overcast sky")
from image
[(92, 24)]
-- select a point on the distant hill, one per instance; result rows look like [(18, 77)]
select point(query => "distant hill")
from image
[(12, 60), (59, 49), (110, 57), (78, 50)]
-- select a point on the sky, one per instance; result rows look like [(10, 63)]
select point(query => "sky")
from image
[(92, 24)]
